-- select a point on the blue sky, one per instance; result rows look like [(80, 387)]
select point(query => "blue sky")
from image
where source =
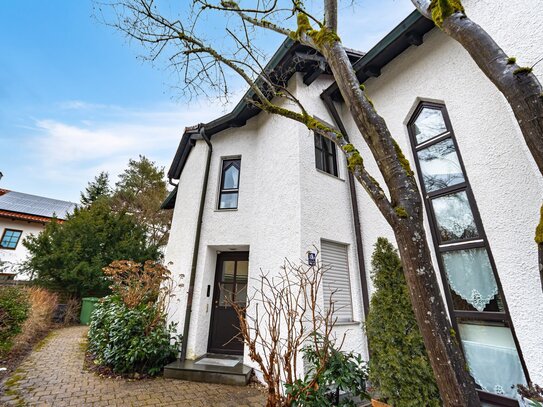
[(76, 100)]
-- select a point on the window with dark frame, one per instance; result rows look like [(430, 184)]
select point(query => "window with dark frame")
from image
[(325, 155), (229, 191), (10, 239), (474, 293)]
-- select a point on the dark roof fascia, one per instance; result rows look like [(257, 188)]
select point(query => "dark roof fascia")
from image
[(237, 117), (409, 32), (284, 61), (169, 202)]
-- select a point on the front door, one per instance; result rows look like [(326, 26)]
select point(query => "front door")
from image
[(230, 286)]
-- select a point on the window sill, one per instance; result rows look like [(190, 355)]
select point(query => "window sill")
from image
[(346, 323), (330, 175), (226, 210)]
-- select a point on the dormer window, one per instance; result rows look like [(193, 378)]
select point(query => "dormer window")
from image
[(229, 192)]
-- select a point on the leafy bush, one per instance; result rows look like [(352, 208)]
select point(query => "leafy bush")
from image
[(128, 331), (399, 365), (14, 310), (331, 372), (130, 340)]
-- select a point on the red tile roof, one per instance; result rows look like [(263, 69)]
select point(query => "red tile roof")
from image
[(24, 216)]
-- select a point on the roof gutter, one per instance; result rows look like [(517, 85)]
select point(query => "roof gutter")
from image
[(328, 102), (196, 250)]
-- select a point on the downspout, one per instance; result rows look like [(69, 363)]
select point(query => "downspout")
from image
[(188, 311), (354, 205)]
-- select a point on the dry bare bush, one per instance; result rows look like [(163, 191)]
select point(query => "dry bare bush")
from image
[(138, 283), (71, 313), (287, 313), (42, 306)]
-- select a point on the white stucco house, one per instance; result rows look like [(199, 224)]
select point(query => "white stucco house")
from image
[(253, 188), (22, 215)]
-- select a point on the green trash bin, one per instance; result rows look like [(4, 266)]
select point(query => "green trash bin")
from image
[(87, 307)]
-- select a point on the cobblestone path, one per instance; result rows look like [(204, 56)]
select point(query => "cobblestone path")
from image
[(53, 375)]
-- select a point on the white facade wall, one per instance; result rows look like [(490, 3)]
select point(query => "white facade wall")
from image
[(326, 211), (502, 174), (20, 253), (285, 207)]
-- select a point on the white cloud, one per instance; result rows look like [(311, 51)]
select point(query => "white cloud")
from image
[(69, 154)]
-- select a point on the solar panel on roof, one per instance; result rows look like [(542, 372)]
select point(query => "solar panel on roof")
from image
[(35, 205)]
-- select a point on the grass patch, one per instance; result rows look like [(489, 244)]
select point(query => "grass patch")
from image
[(41, 344), (11, 387)]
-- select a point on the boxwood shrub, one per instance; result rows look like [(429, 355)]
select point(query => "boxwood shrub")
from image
[(131, 340)]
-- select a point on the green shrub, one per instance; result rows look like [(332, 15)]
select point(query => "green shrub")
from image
[(332, 371), (14, 310), (131, 340), (399, 367)]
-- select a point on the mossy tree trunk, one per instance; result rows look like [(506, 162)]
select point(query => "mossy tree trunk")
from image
[(455, 384), (519, 85)]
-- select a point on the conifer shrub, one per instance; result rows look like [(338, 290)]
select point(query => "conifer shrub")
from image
[(399, 368)]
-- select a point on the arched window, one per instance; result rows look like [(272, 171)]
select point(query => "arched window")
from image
[(474, 295), (228, 197)]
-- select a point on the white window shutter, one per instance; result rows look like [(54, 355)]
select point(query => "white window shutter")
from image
[(336, 280)]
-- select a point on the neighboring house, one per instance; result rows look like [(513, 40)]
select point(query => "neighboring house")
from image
[(272, 190), (20, 216)]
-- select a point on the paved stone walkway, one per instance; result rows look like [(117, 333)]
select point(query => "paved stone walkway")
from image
[(53, 375)]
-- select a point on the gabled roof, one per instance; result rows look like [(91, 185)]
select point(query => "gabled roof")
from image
[(287, 60), (19, 205), (291, 57)]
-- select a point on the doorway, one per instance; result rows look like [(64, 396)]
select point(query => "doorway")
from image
[(231, 278)]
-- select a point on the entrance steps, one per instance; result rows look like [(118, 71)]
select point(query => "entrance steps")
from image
[(211, 368)]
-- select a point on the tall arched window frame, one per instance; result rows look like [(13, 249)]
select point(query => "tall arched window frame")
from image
[(473, 291)]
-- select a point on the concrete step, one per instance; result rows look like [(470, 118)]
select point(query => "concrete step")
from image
[(211, 368)]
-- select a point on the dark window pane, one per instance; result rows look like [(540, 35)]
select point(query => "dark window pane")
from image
[(492, 356), (242, 271), (228, 268), (229, 200), (318, 141), (231, 177), (454, 217), (429, 124), (319, 161), (226, 294), (469, 274), (241, 294), (325, 155), (440, 166)]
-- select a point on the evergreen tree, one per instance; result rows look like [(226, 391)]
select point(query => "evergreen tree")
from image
[(69, 256), (399, 367), (96, 189), (140, 191)]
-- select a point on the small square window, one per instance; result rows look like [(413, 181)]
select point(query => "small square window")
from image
[(325, 155), (229, 192), (10, 239)]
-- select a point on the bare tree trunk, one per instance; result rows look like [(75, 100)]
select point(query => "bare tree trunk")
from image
[(519, 85), (455, 384)]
